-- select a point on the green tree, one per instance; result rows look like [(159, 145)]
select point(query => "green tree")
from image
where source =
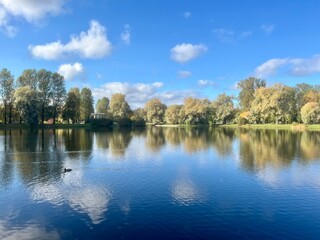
[(28, 78), (7, 91), (44, 91), (86, 104), (172, 114), (69, 109), (223, 109), (155, 111), (26, 102), (247, 89), (58, 95), (102, 106), (310, 113), (76, 91), (119, 107)]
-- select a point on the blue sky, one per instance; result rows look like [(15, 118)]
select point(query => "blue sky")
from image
[(169, 49)]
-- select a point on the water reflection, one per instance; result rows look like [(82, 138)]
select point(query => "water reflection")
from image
[(27, 231), (41, 155), (73, 190)]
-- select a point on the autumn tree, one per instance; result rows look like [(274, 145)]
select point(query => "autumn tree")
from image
[(247, 89), (155, 111), (86, 104), (310, 113), (119, 107), (172, 114), (102, 106), (223, 109), (195, 111), (262, 111), (7, 91)]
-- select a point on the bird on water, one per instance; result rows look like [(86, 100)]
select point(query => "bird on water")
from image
[(67, 170)]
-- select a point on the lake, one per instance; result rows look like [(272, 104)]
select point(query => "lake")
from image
[(160, 183)]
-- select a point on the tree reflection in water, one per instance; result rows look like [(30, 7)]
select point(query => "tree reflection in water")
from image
[(42, 154)]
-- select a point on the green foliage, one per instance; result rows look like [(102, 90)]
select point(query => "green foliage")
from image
[(6, 92), (247, 89), (58, 94), (26, 102), (310, 113), (28, 78), (155, 111), (101, 122), (124, 122), (102, 105), (86, 104), (222, 109), (69, 109), (76, 91), (44, 81), (119, 107)]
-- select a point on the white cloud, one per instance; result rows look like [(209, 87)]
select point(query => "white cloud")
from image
[(185, 52), (204, 83), (125, 35), (184, 74), (139, 93), (92, 44), (71, 71), (5, 27), (187, 14), (29, 230), (230, 36), (31, 10), (268, 29), (294, 66)]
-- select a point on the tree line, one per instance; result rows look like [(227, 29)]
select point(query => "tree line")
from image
[(40, 96)]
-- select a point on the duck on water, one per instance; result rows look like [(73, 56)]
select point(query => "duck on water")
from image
[(67, 170)]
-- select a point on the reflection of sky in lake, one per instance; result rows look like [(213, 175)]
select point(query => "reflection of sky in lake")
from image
[(82, 197), (159, 182), (28, 231)]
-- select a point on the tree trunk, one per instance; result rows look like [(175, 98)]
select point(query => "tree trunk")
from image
[(10, 113), (42, 114), (5, 113)]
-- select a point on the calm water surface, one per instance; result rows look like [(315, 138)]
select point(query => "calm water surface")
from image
[(160, 183)]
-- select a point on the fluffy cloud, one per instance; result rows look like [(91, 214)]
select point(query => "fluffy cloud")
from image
[(204, 83), (294, 66), (268, 29), (184, 74), (139, 93), (30, 10), (71, 71), (33, 10), (91, 44), (185, 52), (125, 35)]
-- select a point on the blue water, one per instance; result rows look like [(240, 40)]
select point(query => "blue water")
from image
[(160, 183)]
